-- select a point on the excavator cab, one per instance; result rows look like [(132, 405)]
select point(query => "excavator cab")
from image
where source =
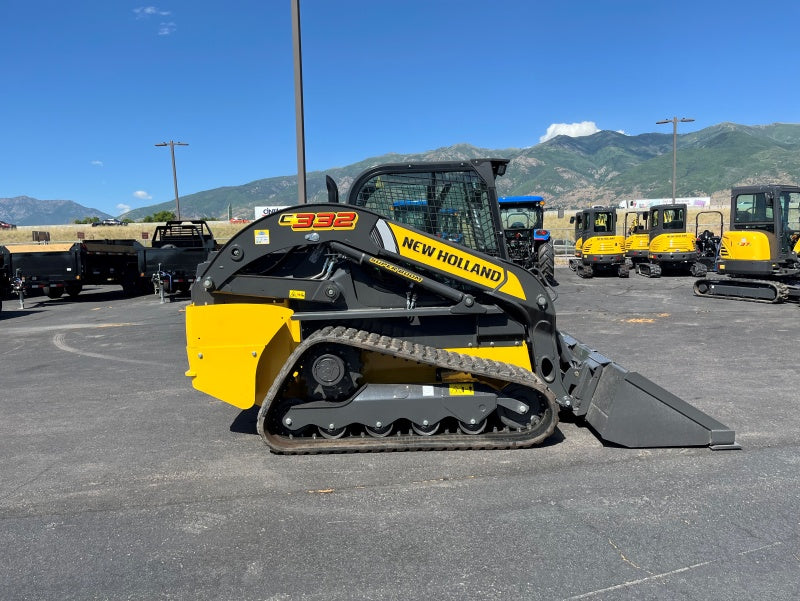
[(763, 240), (598, 248)]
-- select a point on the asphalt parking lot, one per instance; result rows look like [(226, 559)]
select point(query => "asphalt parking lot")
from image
[(119, 481)]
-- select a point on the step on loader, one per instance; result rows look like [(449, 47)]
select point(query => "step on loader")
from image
[(361, 327)]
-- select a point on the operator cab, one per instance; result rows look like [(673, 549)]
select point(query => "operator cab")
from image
[(774, 209)]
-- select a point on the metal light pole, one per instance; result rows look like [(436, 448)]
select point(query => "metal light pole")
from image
[(172, 146), (674, 122), (298, 104)]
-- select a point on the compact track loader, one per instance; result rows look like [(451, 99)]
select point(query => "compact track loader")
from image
[(671, 249), (758, 257), (356, 331), (598, 248)]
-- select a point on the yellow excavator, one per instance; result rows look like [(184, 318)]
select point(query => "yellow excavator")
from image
[(671, 249), (353, 330), (758, 255), (598, 248), (637, 236)]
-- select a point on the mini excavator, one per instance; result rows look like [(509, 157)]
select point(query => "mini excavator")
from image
[(598, 248), (758, 257), (354, 330)]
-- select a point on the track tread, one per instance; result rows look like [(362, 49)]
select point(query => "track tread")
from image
[(419, 353)]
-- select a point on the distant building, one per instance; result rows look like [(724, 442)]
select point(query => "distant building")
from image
[(694, 201), (263, 211)]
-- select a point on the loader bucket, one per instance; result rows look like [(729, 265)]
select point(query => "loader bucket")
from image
[(627, 409)]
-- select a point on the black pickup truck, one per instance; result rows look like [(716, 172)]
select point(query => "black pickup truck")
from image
[(176, 250)]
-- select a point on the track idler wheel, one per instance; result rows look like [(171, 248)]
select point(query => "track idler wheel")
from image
[(527, 413), (331, 373)]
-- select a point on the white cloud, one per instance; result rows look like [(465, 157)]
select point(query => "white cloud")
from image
[(166, 28), (123, 208), (148, 11), (141, 195), (573, 130), (96, 163)]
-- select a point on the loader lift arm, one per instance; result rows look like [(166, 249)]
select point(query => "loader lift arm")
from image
[(354, 332)]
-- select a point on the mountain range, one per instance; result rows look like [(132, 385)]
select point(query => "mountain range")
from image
[(24, 210), (602, 168)]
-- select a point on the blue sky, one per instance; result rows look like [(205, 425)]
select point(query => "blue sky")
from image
[(90, 86)]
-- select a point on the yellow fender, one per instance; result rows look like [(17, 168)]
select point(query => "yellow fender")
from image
[(236, 350)]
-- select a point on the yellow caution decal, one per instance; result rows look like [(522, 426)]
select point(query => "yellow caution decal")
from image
[(461, 389), (455, 261)]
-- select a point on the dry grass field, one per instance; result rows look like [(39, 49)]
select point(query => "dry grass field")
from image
[(223, 230), (142, 232)]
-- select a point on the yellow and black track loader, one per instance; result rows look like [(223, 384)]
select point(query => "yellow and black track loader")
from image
[(355, 331), (758, 255)]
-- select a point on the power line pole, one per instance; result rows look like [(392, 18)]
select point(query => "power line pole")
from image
[(674, 122), (172, 146)]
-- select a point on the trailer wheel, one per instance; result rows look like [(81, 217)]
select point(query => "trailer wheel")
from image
[(74, 290)]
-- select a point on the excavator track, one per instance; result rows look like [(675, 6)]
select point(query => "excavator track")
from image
[(279, 440), (755, 291)]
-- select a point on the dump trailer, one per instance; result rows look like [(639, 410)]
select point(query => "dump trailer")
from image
[(527, 242), (60, 268), (354, 331), (758, 256), (177, 248), (672, 249), (598, 248)]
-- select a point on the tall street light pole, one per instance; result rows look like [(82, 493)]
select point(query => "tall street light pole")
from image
[(298, 104), (674, 122), (172, 146)]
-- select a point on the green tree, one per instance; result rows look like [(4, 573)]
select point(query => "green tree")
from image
[(160, 216)]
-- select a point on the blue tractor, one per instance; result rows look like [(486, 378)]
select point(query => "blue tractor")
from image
[(529, 244)]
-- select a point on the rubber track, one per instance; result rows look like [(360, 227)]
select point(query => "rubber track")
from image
[(781, 290), (426, 355)]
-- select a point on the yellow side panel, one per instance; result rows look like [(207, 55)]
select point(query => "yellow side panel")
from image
[(516, 355), (745, 246), (637, 242), (604, 245), (235, 351), (675, 243)]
